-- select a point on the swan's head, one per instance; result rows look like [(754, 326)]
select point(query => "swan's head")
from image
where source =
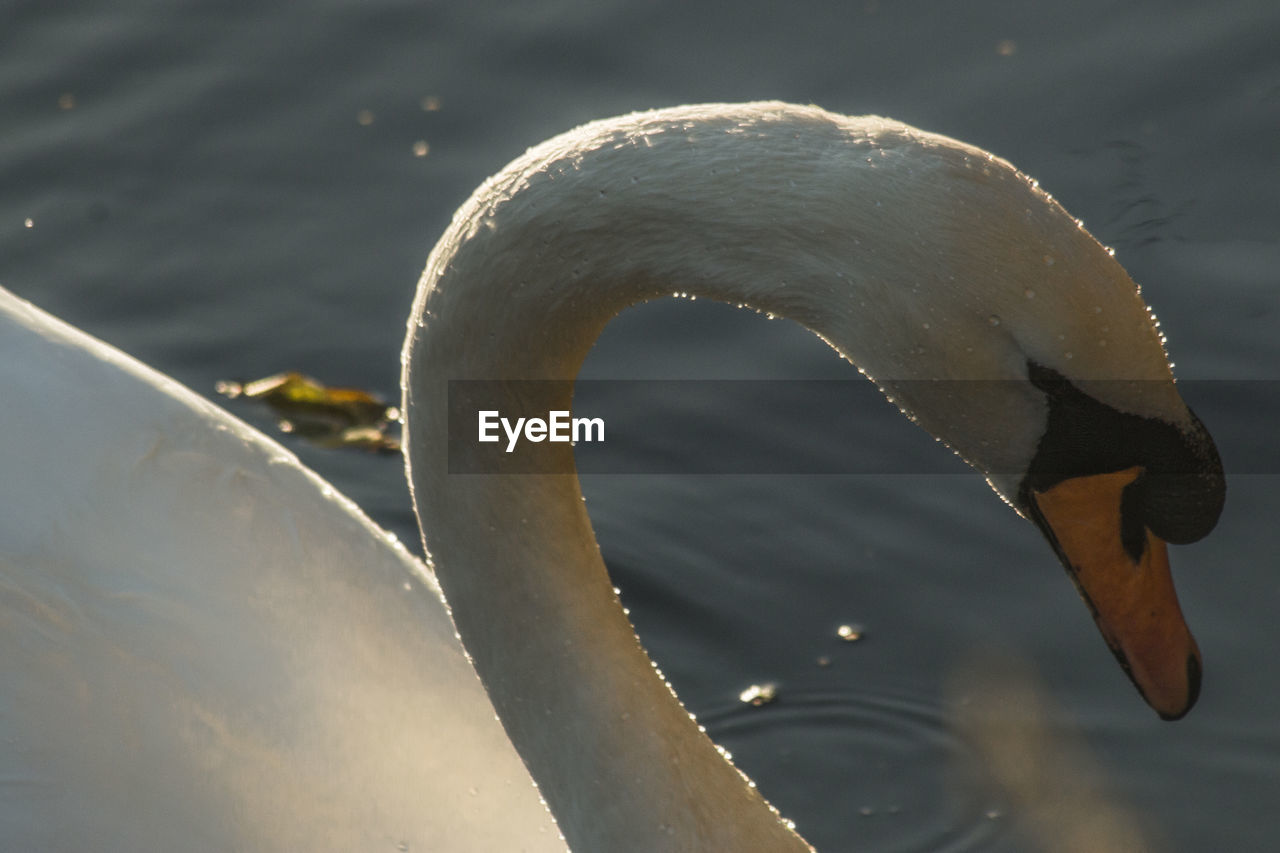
[(1019, 340), (980, 306), (1108, 488)]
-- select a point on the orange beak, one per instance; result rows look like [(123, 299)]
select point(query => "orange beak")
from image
[(1132, 598)]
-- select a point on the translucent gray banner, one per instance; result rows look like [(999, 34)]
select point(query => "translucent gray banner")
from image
[(764, 427)]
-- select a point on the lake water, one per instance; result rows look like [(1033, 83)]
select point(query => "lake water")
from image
[(230, 189)]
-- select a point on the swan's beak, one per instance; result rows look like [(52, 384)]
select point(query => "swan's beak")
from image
[(1127, 585)]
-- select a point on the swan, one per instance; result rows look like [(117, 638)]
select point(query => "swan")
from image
[(205, 646)]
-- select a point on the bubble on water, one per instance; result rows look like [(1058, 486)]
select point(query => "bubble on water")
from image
[(851, 632)]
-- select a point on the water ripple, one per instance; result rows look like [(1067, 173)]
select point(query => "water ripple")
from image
[(865, 772)]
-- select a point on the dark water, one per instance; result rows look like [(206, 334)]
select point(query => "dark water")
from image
[(230, 189)]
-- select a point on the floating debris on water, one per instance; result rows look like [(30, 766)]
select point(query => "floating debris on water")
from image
[(328, 417), (759, 694)]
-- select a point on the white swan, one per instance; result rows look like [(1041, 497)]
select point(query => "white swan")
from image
[(204, 647)]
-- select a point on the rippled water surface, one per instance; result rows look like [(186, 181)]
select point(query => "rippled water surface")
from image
[(231, 189)]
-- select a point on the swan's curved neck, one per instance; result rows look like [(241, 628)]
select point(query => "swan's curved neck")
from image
[(849, 227)]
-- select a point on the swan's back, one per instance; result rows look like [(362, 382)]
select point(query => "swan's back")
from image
[(203, 647)]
